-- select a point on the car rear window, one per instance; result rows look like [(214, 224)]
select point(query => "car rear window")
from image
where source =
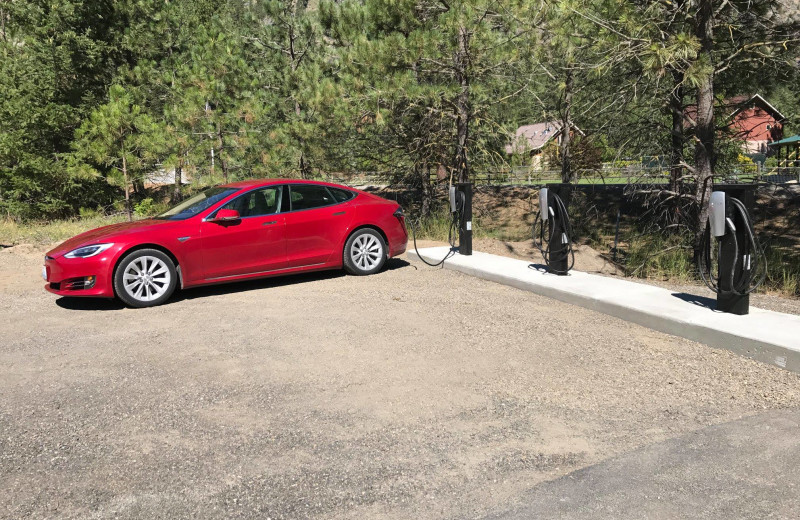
[(308, 196), (341, 195)]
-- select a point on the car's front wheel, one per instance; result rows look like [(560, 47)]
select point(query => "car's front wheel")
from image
[(364, 252), (145, 278)]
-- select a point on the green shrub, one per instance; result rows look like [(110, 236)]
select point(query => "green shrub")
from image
[(87, 213), (145, 208), (435, 226), (783, 275), (656, 256)]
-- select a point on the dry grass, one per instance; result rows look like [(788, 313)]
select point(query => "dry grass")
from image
[(13, 233)]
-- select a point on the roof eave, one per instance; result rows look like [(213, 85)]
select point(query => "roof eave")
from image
[(780, 117)]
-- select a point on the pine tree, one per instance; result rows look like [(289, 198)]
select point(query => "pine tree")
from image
[(113, 135), (56, 60), (425, 81), (285, 46)]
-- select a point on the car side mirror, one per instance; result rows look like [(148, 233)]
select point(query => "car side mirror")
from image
[(226, 215)]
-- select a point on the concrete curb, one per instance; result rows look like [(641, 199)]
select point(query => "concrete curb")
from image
[(770, 337)]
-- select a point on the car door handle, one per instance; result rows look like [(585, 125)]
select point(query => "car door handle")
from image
[(269, 223), (339, 213)]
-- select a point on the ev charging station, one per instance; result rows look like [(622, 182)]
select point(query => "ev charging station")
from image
[(460, 197), (554, 236), (740, 260), (461, 210), (465, 220)]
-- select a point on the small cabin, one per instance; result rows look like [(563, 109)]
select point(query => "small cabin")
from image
[(755, 122), (531, 139)]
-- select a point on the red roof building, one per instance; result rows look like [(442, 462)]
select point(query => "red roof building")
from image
[(755, 122)]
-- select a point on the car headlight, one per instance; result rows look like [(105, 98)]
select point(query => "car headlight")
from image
[(87, 251)]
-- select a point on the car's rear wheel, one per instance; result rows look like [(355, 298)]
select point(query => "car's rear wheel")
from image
[(364, 252), (145, 278)]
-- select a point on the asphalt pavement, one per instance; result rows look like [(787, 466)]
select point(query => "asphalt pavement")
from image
[(749, 468)]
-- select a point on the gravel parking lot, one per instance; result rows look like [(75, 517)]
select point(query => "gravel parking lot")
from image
[(414, 393)]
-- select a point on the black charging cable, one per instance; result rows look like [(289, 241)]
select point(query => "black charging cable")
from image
[(751, 249), (706, 262), (452, 233), (753, 252), (545, 232)]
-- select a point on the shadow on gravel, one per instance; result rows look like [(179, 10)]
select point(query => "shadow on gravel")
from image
[(544, 269), (89, 304), (104, 304), (700, 301)]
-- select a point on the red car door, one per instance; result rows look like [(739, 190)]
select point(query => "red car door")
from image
[(316, 224), (255, 243)]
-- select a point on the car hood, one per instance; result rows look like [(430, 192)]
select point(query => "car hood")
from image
[(105, 234)]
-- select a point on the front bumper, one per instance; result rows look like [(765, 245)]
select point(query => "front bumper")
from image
[(63, 273)]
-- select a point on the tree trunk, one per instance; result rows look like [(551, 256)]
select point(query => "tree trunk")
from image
[(222, 162), (176, 190), (3, 24), (302, 164), (424, 175), (677, 140), (461, 63), (566, 126), (305, 168), (704, 131), (127, 189), (138, 187)]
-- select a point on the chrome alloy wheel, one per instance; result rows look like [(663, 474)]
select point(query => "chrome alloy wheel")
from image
[(146, 278), (366, 252)]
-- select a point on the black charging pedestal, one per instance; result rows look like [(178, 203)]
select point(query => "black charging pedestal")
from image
[(727, 300), (559, 248), (465, 223)]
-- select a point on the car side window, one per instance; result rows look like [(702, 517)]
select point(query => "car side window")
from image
[(308, 196), (341, 195), (264, 201)]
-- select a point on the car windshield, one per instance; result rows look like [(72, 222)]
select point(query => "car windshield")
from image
[(194, 205)]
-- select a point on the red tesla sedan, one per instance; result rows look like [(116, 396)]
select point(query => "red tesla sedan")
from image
[(237, 231)]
